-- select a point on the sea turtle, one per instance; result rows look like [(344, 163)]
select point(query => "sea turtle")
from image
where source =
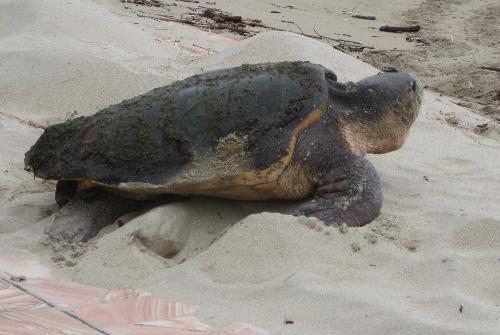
[(283, 130)]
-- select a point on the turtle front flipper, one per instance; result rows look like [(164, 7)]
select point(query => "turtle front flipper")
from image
[(350, 194)]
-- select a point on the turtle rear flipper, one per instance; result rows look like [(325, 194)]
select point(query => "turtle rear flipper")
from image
[(65, 190), (350, 195), (86, 213)]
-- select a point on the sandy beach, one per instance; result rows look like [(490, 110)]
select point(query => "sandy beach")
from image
[(429, 264)]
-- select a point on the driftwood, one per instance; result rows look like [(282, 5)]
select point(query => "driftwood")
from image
[(397, 29), (220, 17), (491, 68), (365, 17)]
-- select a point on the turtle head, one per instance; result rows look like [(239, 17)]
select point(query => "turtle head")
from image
[(384, 107)]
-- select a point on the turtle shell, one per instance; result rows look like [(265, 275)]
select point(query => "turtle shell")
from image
[(209, 131)]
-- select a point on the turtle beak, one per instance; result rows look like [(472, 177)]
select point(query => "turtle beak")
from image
[(409, 98), (399, 92), (417, 88), (411, 79), (27, 161)]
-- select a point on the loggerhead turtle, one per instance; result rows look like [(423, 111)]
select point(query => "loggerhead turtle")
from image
[(284, 130)]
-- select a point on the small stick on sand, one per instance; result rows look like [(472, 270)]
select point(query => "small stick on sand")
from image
[(397, 29), (154, 3), (208, 49), (343, 45), (289, 7), (335, 39), (364, 17), (491, 68), (167, 18)]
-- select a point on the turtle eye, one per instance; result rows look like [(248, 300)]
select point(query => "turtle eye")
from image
[(330, 75), (389, 69), (414, 86)]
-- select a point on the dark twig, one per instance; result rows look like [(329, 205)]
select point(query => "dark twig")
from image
[(491, 68), (397, 29), (208, 49), (340, 40), (365, 17)]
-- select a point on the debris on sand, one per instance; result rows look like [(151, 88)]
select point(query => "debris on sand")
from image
[(364, 17), (150, 3), (491, 68), (210, 19), (421, 41), (400, 29)]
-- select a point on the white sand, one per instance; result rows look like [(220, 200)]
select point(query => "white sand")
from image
[(435, 246)]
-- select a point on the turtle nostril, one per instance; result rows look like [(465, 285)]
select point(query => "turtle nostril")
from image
[(414, 85)]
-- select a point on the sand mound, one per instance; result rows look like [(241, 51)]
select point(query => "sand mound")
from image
[(285, 46)]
